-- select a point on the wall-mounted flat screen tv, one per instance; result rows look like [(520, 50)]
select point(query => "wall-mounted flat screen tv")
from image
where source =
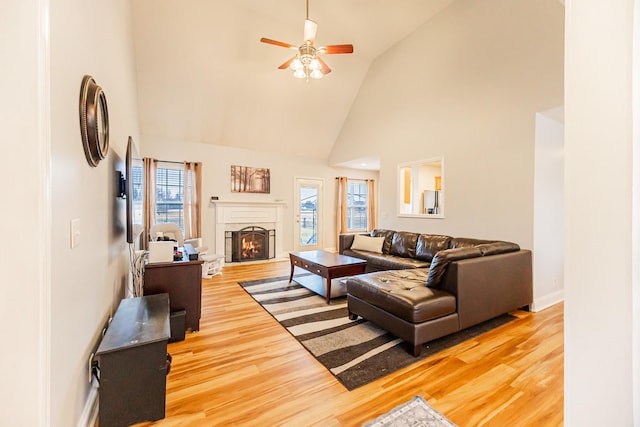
[(134, 192)]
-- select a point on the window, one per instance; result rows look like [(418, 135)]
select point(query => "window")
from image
[(169, 194), (357, 202)]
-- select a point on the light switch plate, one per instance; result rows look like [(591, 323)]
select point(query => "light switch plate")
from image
[(75, 232)]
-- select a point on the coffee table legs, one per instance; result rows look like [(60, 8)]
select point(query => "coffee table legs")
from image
[(292, 267), (328, 289), (325, 280)]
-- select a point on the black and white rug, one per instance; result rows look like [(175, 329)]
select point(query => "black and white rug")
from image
[(414, 413), (355, 351)]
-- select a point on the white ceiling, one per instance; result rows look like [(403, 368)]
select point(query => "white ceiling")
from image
[(203, 75)]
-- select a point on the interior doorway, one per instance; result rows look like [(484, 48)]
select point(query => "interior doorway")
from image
[(308, 214)]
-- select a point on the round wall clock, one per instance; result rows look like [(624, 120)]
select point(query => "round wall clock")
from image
[(94, 121)]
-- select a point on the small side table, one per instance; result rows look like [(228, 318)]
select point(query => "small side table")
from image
[(212, 265)]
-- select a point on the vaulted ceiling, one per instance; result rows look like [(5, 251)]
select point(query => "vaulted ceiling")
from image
[(203, 75)]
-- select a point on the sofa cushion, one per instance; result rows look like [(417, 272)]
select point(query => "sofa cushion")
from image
[(443, 258), (429, 245), (402, 293), (388, 236), (404, 244), (378, 262), (357, 254), (495, 248), (367, 243), (464, 242)]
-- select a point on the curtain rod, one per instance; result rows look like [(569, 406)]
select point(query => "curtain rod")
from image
[(175, 162), (359, 179)]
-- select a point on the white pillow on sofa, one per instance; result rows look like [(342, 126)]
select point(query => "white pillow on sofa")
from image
[(367, 243)]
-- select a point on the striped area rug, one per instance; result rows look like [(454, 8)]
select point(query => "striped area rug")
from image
[(355, 351)]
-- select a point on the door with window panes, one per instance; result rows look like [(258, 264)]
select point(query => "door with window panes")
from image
[(308, 214)]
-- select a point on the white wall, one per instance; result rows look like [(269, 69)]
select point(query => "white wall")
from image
[(87, 282), (465, 86), (548, 213), (635, 281), (24, 315), (216, 170), (599, 330)]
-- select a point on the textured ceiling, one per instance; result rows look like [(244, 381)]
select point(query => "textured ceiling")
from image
[(203, 76)]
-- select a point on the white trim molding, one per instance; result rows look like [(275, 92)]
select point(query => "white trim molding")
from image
[(547, 301), (42, 255), (233, 215)]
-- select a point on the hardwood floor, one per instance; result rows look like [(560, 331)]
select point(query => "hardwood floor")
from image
[(243, 368)]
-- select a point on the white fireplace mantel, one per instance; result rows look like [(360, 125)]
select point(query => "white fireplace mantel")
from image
[(233, 215), (246, 203)]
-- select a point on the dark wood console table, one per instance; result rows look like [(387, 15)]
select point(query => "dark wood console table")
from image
[(133, 362), (182, 280)]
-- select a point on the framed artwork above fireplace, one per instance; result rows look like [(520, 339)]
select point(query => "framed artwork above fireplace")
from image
[(247, 179)]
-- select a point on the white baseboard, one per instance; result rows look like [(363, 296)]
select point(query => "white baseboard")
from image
[(90, 411), (547, 301)]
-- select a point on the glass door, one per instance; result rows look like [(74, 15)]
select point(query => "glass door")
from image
[(308, 218)]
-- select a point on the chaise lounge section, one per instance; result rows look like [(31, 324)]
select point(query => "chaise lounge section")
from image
[(421, 287)]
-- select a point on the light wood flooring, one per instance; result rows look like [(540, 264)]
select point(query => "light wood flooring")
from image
[(242, 368)]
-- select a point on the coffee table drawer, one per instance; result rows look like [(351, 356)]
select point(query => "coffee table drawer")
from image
[(310, 266)]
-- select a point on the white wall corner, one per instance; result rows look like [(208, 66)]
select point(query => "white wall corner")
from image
[(547, 301), (90, 410)]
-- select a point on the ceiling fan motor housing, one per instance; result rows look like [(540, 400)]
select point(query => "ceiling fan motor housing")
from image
[(306, 54)]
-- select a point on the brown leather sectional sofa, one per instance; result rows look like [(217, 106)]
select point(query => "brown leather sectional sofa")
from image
[(422, 286)]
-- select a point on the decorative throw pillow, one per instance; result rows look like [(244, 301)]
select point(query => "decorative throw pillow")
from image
[(367, 243)]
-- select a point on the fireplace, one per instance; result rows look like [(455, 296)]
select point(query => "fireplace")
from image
[(251, 243), (235, 215)]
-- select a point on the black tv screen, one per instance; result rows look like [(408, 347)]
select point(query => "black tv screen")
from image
[(134, 192)]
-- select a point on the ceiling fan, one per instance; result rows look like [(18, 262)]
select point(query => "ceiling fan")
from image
[(307, 62)]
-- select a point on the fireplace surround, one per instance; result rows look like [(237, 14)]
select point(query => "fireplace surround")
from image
[(234, 216), (250, 243)]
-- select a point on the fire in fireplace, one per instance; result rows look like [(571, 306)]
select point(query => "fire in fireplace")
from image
[(249, 244)]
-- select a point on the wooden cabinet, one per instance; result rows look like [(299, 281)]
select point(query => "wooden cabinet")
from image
[(182, 280), (133, 362)]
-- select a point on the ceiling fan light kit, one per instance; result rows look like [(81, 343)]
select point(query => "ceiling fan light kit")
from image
[(306, 63)]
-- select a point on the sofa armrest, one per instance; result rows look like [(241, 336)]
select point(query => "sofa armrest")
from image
[(488, 286), (345, 242)]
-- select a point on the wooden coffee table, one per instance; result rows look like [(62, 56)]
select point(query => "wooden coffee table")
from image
[(324, 265)]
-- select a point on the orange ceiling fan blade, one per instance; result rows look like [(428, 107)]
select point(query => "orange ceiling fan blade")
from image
[(277, 43), (286, 64), (325, 68), (337, 48)]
